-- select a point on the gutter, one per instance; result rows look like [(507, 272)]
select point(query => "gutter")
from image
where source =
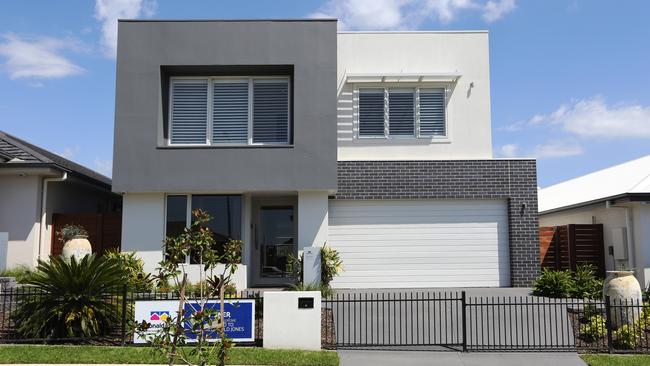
[(43, 223)]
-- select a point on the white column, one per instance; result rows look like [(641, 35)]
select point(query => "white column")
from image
[(143, 226), (292, 320), (312, 231)]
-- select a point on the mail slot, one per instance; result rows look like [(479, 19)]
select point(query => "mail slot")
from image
[(305, 303)]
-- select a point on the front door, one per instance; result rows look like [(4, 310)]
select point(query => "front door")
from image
[(275, 242)]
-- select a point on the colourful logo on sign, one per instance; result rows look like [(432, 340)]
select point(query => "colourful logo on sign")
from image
[(159, 315)]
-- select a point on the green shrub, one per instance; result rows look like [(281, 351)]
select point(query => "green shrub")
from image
[(325, 291), (71, 231), (133, 267), (585, 284), (20, 273), (72, 299), (551, 283), (594, 329), (628, 336), (590, 310), (330, 264)]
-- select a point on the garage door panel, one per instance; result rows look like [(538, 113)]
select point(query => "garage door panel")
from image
[(423, 243)]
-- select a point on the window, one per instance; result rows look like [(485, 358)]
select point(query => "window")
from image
[(229, 111), (225, 211), (401, 112)]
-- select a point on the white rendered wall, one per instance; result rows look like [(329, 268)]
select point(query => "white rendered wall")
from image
[(641, 222), (312, 231), (468, 109), (288, 327), (20, 216), (143, 232)]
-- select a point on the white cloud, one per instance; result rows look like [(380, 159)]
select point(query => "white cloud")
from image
[(594, 118), (103, 166), (508, 151), (38, 58), (557, 149), (70, 152), (406, 14), (109, 11), (496, 9)]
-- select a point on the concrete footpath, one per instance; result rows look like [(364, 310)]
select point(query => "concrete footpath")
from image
[(422, 358)]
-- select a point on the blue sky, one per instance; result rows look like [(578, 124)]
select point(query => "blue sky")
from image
[(570, 79)]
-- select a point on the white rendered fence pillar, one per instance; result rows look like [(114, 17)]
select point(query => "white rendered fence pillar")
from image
[(292, 320)]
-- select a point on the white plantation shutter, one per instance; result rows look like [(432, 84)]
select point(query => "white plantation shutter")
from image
[(401, 112), (271, 111), (371, 112), (189, 112), (230, 112), (432, 112)]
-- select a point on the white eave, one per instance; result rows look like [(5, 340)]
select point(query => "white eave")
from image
[(440, 77)]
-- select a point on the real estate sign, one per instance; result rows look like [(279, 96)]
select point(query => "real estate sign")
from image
[(239, 317)]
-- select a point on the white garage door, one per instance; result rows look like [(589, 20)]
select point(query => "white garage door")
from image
[(423, 243)]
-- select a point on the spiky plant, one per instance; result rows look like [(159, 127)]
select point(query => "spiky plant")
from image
[(70, 298)]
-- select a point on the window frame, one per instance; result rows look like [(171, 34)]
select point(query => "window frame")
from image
[(188, 215), (446, 89), (211, 80)]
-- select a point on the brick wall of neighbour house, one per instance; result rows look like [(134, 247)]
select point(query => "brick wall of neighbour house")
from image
[(512, 180)]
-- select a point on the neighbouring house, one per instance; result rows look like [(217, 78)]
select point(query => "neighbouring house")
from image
[(618, 198), (293, 135), (38, 187)]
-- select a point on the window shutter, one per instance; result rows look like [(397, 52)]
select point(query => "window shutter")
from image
[(401, 112), (230, 112), (189, 115), (432, 112), (271, 111), (371, 112)]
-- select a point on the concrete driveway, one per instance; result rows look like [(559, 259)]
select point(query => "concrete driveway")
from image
[(419, 358)]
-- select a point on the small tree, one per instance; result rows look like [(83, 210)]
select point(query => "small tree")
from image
[(196, 241)]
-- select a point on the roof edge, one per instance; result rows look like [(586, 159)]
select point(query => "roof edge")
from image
[(623, 197), (280, 20)]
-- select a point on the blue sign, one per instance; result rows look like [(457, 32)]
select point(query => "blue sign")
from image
[(239, 317)]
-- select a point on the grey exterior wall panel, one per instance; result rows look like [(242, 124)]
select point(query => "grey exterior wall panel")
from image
[(511, 180), (142, 165)]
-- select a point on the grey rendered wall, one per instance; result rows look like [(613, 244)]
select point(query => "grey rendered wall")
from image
[(141, 165), (19, 215), (513, 180)]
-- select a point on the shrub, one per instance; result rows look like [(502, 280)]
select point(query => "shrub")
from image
[(72, 298), (585, 284), (133, 267), (628, 336), (330, 264), (594, 329), (556, 284), (20, 273), (71, 231), (325, 291)]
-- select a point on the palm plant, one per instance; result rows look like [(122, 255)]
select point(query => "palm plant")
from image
[(70, 298)]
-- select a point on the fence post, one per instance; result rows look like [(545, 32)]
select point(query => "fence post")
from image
[(124, 306), (463, 300), (608, 325)]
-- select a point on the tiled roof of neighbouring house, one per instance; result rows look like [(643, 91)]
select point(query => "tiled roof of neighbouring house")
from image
[(14, 151)]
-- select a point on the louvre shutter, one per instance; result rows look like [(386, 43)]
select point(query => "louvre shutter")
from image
[(401, 112), (189, 114), (271, 111), (371, 112), (230, 112), (432, 112)]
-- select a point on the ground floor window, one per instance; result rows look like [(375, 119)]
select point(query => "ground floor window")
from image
[(226, 212)]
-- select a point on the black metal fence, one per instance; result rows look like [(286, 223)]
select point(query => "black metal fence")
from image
[(456, 321), (119, 307)]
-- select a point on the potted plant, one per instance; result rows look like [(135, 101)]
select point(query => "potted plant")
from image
[(75, 242)]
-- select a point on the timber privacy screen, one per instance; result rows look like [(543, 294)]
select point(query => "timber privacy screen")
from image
[(409, 320)]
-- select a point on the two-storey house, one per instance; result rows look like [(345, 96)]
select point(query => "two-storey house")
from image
[(293, 135)]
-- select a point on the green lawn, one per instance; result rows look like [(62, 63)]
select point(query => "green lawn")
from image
[(144, 355), (617, 360)]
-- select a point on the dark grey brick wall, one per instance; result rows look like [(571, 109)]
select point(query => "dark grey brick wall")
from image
[(512, 180)]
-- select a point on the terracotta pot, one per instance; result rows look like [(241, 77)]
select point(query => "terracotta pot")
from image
[(623, 289), (77, 247)]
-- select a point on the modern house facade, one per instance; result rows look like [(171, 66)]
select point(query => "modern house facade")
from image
[(617, 197), (293, 135), (36, 184)]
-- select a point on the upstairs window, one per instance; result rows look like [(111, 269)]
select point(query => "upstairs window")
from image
[(230, 111), (401, 113)]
